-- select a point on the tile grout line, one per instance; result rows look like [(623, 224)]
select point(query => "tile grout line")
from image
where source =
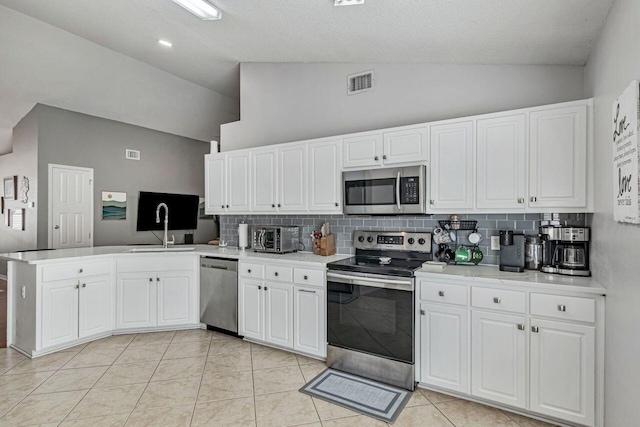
[(253, 387), (193, 412), (312, 400)]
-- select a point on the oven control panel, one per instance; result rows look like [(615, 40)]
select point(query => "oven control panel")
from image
[(392, 240)]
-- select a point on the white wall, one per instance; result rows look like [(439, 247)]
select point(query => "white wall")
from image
[(43, 64), (290, 102), (616, 247)]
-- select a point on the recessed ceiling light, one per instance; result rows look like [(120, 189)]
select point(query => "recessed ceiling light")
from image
[(346, 2), (202, 9), (165, 43)]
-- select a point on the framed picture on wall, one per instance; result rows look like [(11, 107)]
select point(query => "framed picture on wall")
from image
[(11, 187), (114, 206)]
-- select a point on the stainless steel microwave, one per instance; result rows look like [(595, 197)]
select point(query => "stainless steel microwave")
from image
[(276, 239), (393, 191)]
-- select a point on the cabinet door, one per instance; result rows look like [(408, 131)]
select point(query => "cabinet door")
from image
[(362, 151), (238, 193), (135, 300), (498, 359), (451, 167), (251, 309), (501, 167), (405, 146), (444, 347), (278, 312), (558, 158), (59, 312), (563, 371), (325, 176), (215, 183), (174, 298), (309, 322), (264, 177), (95, 305), (292, 186)]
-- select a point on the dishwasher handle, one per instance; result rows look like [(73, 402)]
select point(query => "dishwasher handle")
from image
[(219, 264), (217, 267)]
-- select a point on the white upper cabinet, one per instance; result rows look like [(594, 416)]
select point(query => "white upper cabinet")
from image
[(239, 193), (362, 151), (325, 176), (558, 158), (451, 167), (215, 183), (292, 183), (562, 371), (501, 163), (405, 146), (264, 175)]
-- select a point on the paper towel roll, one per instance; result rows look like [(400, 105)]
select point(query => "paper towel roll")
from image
[(243, 236)]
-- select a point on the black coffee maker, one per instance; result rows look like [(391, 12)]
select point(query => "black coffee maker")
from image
[(512, 256)]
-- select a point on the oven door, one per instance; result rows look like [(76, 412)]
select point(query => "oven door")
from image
[(373, 315), (385, 191)]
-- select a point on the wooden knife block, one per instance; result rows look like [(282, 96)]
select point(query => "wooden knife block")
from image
[(324, 246)]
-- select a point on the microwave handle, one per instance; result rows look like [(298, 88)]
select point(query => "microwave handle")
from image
[(398, 191), (263, 239)]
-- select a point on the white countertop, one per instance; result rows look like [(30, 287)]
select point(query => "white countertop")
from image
[(41, 257), (529, 278)]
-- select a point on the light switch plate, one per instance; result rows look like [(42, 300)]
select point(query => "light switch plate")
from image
[(495, 243)]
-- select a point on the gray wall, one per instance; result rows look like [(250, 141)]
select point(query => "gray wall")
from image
[(22, 162), (292, 102), (343, 226), (169, 163), (613, 64)]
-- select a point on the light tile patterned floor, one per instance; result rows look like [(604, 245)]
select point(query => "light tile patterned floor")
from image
[(195, 378)]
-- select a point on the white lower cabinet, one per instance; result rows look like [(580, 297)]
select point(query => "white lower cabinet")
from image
[(278, 314), (444, 359), (174, 298), (498, 358), (309, 318), (503, 346), (562, 370), (75, 308), (288, 310)]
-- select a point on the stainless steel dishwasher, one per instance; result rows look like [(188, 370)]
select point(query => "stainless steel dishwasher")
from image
[(219, 293)]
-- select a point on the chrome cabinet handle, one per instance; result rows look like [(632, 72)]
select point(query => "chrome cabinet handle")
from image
[(441, 293), (309, 292), (521, 327), (562, 307), (497, 300), (534, 329), (534, 199), (520, 200)]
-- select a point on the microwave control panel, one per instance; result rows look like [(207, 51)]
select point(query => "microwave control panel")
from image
[(410, 194)]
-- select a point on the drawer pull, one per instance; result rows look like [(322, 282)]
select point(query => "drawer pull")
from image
[(534, 329), (497, 300), (306, 277), (562, 307), (441, 293), (275, 274), (249, 271), (521, 327), (81, 270), (309, 292)]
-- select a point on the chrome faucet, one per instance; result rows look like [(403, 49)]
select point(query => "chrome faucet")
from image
[(165, 239)]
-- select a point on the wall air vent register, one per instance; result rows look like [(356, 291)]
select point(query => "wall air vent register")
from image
[(132, 154), (361, 82)]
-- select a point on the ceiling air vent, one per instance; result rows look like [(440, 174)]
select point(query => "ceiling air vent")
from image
[(360, 82), (132, 154)]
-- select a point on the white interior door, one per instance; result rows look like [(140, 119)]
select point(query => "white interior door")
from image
[(70, 207)]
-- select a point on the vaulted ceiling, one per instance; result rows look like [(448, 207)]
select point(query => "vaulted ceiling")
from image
[(207, 53)]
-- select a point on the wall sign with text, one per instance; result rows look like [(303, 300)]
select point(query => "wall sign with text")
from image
[(626, 157)]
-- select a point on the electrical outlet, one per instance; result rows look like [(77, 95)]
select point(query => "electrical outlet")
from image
[(495, 243)]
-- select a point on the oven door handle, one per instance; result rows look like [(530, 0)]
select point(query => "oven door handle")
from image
[(398, 192), (371, 281)]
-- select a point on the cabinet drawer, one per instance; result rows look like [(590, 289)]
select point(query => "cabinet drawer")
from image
[(308, 277), (255, 271), (76, 269), (443, 292), (498, 299), (563, 307), (279, 273), (134, 264)]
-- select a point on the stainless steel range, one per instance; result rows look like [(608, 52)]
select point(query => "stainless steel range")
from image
[(371, 306)]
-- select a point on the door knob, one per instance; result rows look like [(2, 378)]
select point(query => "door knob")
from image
[(57, 227)]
